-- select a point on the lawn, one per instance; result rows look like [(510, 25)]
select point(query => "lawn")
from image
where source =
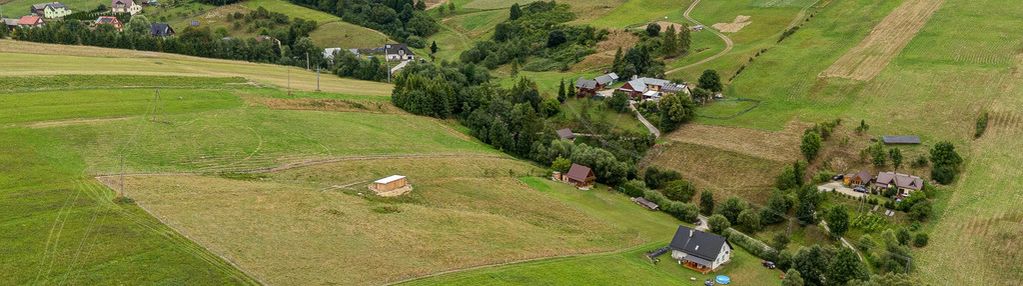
[(24, 59), (292, 10), (99, 103), (347, 36), (596, 112), (18, 8)]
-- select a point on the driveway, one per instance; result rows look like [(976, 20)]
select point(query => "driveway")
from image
[(838, 187)]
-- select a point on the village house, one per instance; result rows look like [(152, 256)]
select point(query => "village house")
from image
[(580, 176), (398, 52), (125, 6), (650, 88), (50, 10), (606, 80), (585, 87), (566, 134), (906, 184), (10, 23), (161, 30), (30, 21), (858, 179), (700, 251), (390, 186), (110, 20)]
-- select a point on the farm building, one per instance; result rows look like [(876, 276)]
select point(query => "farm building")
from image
[(606, 80), (650, 88), (10, 23), (391, 186), (30, 21), (585, 87), (398, 52), (580, 176), (858, 179), (161, 30), (50, 10), (566, 134), (900, 139), (700, 251), (645, 203), (110, 20), (124, 6), (905, 183)]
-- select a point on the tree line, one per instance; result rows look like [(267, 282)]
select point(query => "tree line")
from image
[(403, 20)]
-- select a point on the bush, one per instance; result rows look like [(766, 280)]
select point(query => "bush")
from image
[(655, 197), (920, 240), (943, 174), (679, 190), (619, 102), (981, 125), (633, 188), (718, 223), (415, 42), (124, 200), (755, 247), (655, 178), (682, 211)]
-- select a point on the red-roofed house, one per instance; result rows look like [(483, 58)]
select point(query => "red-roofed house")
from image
[(110, 20), (30, 21)]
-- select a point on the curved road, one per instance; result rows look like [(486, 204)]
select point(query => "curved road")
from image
[(728, 41)]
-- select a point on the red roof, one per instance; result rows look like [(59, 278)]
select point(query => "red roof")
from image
[(30, 20)]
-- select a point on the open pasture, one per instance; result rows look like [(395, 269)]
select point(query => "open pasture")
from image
[(473, 211), (34, 59)]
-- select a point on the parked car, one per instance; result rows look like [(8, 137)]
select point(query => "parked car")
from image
[(838, 177), (860, 189), (768, 264)]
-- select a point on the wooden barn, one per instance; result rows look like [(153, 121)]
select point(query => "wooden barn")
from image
[(391, 184), (580, 176)]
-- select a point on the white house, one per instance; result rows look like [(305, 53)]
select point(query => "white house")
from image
[(700, 251), (125, 6), (51, 10), (398, 52)]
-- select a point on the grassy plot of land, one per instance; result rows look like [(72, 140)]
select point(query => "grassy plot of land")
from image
[(59, 227), (18, 8), (25, 58), (632, 13), (727, 173), (58, 105), (347, 36), (462, 212), (583, 114)]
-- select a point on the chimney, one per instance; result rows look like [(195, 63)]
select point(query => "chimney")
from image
[(691, 232)]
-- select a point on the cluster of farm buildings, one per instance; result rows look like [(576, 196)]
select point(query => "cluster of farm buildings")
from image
[(42, 13), (637, 88)]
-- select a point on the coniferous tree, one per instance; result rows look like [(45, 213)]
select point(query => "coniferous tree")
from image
[(685, 40), (669, 42)]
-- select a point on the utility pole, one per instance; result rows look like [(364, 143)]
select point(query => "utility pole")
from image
[(307, 61), (317, 79), (388, 62), (289, 80)]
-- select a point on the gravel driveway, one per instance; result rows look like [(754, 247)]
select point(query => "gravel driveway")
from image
[(838, 187)]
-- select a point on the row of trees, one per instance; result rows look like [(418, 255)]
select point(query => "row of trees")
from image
[(404, 20)]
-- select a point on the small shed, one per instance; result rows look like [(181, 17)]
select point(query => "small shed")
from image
[(900, 139), (566, 134), (390, 185), (580, 176), (646, 203)]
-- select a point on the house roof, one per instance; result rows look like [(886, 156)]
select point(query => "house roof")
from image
[(125, 3), (636, 85), (393, 49), (900, 180), (328, 53), (901, 139), (606, 79), (10, 22), (646, 203), (673, 87), (579, 172), (565, 133), (697, 243), (160, 29), (389, 179), (654, 81), (29, 20), (863, 175), (585, 83)]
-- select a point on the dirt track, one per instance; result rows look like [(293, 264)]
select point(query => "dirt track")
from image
[(728, 41)]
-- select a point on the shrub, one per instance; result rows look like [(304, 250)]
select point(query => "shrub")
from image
[(943, 174), (633, 188), (655, 178), (679, 190), (124, 200), (655, 197), (682, 211), (718, 223), (811, 145), (920, 240), (754, 246), (981, 125)]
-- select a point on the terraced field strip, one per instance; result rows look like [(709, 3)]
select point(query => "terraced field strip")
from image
[(778, 146), (885, 41)]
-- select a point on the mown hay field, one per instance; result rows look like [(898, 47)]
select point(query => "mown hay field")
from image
[(34, 59), (326, 228)]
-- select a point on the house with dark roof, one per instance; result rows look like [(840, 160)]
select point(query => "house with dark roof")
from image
[(30, 21), (650, 88), (161, 30), (580, 176), (606, 80), (566, 134), (50, 10), (398, 52), (906, 184), (585, 87), (700, 251), (109, 20), (900, 139)]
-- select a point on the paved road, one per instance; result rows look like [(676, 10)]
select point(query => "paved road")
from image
[(653, 130), (728, 41)]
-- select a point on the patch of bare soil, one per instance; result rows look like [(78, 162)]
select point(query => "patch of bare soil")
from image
[(606, 50), (60, 123), (867, 59), (736, 25), (782, 146)]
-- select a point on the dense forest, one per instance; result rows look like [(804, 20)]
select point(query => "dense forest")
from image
[(536, 36), (404, 20)]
